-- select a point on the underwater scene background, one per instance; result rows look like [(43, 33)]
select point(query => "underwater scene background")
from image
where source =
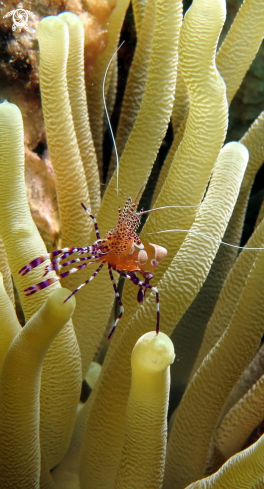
[(185, 94)]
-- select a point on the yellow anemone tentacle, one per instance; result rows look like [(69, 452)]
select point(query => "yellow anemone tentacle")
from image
[(18, 231), (242, 471), (5, 270), (138, 11), (71, 183), (238, 424), (10, 326), (143, 455), (178, 119), (61, 370), (79, 110), (20, 380), (191, 328), (209, 388), (241, 45), (229, 295)]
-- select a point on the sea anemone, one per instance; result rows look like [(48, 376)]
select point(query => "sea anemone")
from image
[(211, 298)]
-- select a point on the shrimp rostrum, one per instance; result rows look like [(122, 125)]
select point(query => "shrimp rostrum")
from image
[(121, 249)]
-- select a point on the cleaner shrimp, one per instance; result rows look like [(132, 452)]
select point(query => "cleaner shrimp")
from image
[(121, 249)]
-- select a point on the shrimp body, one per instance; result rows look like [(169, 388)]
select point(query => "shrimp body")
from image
[(125, 250), (121, 249), (143, 257)]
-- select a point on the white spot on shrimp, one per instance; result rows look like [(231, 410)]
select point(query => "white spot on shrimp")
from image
[(142, 257)]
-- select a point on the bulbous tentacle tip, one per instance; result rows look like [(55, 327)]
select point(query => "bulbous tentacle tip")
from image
[(50, 23), (153, 352), (8, 106), (72, 20), (57, 301)]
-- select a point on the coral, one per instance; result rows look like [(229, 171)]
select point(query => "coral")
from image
[(19, 48), (211, 300)]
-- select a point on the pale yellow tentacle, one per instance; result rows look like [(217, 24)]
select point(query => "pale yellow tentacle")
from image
[(138, 11), (143, 455), (191, 328), (229, 296), (212, 383), (20, 381), (77, 95), (10, 326), (61, 370), (71, 183), (259, 484), (5, 270), (241, 45), (243, 471), (169, 159), (20, 236), (181, 103), (241, 420), (248, 378), (205, 129), (178, 120), (253, 141)]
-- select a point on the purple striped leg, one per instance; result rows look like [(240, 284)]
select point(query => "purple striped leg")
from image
[(136, 281), (86, 281), (64, 252), (42, 285), (60, 255), (94, 221), (45, 283), (54, 265), (79, 251), (118, 300)]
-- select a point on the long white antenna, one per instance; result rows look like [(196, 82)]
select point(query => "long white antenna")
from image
[(212, 238), (107, 115), (140, 213)]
